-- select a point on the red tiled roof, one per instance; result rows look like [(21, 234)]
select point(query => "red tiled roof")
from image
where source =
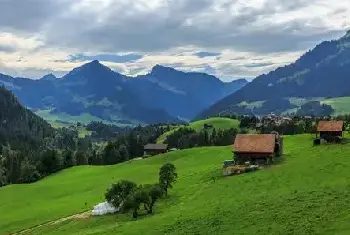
[(255, 143), (330, 126)]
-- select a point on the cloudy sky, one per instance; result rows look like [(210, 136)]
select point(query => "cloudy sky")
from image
[(227, 38)]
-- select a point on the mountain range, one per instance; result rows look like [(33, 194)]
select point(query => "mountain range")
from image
[(321, 73), (163, 95)]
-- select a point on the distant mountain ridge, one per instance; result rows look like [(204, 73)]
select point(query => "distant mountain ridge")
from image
[(180, 93), (163, 95), (321, 72)]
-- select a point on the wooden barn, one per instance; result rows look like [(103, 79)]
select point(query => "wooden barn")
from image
[(257, 148), (154, 149), (331, 131)]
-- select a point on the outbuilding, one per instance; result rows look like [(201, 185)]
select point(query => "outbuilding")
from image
[(257, 148), (154, 149), (331, 131)]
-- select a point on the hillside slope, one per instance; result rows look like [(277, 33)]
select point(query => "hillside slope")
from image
[(321, 72), (19, 127), (305, 194)]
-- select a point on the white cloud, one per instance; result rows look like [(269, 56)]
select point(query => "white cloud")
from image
[(253, 36)]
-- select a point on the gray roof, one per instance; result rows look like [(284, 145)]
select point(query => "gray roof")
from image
[(156, 147)]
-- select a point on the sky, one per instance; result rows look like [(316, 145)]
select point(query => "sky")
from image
[(230, 39)]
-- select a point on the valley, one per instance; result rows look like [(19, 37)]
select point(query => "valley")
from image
[(174, 117)]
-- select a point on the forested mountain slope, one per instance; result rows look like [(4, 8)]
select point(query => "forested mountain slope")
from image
[(321, 72)]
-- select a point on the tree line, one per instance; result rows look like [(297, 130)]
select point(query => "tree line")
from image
[(64, 149), (186, 137)]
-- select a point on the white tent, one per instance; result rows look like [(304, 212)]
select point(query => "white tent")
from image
[(103, 209)]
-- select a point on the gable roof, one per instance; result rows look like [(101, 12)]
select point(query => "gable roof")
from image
[(155, 146), (255, 143), (330, 126)]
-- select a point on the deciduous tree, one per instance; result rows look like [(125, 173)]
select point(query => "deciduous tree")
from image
[(167, 176), (119, 192)]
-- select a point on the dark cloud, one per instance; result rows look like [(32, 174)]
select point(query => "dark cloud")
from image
[(106, 57), (30, 16), (204, 54), (124, 26)]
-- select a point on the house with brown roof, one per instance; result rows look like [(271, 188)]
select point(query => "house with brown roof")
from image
[(257, 148), (154, 149), (331, 131)]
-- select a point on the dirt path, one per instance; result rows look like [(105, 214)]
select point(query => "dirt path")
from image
[(83, 215)]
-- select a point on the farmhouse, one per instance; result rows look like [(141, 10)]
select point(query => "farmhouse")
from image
[(154, 149), (257, 148), (331, 131)]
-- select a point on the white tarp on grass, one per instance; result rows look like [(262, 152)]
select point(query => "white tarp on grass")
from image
[(104, 208)]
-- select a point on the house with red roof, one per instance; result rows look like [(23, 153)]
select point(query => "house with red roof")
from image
[(257, 148), (331, 131)]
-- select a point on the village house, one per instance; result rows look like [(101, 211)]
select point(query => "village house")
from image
[(257, 148), (331, 131), (154, 149), (271, 120)]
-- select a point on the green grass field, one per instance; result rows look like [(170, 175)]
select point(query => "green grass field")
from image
[(307, 193), (63, 119), (83, 118), (341, 105), (217, 122)]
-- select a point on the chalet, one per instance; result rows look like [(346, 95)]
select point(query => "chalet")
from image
[(154, 149), (331, 131), (257, 148)]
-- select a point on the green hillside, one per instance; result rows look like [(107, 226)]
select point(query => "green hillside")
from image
[(217, 122), (341, 105), (305, 194)]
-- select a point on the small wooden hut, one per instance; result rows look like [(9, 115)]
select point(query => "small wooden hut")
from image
[(154, 149), (331, 131), (257, 148)]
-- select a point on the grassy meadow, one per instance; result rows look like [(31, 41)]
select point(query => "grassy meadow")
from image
[(341, 105), (217, 122), (307, 193)]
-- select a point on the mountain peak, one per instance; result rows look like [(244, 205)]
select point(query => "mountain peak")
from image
[(94, 63), (240, 80), (49, 77), (93, 66), (160, 68)]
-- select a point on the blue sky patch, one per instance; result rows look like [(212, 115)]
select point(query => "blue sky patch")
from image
[(204, 54)]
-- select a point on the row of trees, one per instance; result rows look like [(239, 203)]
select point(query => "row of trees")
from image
[(128, 196), (186, 137)]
